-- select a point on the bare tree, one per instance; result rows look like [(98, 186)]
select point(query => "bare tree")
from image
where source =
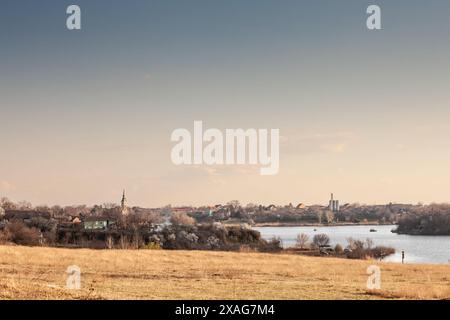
[(318, 214), (181, 218), (302, 240), (123, 242), (329, 215), (136, 238), (251, 206), (109, 242), (369, 243), (7, 204), (109, 205), (234, 203), (24, 205)]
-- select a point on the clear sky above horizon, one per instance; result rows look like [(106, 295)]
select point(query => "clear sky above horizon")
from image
[(85, 114)]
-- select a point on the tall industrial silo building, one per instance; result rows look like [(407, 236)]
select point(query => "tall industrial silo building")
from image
[(333, 204)]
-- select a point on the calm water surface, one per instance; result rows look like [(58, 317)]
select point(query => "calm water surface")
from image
[(418, 249)]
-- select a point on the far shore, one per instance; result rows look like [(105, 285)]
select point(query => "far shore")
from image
[(344, 224)]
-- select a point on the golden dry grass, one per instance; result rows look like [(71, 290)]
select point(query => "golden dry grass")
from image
[(39, 273)]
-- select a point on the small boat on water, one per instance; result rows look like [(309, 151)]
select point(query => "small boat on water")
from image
[(373, 230)]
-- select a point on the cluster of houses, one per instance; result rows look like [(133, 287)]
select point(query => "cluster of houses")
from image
[(101, 222), (94, 221)]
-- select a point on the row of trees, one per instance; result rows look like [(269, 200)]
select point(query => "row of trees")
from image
[(433, 219)]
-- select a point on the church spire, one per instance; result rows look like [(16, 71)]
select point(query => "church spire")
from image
[(123, 204)]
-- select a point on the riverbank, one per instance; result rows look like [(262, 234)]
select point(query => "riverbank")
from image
[(40, 273)]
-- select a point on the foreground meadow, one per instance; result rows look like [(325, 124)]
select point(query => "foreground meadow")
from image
[(40, 273)]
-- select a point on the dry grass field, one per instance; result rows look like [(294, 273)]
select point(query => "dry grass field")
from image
[(39, 273)]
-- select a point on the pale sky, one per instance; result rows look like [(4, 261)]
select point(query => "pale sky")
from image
[(85, 114)]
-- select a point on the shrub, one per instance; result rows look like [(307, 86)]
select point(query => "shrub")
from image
[(338, 249), (4, 237), (358, 249), (213, 242), (381, 252), (321, 240), (19, 233), (273, 245), (152, 246)]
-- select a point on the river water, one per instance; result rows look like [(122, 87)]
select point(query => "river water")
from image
[(418, 249)]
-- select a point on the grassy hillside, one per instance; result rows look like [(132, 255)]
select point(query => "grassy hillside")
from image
[(39, 273)]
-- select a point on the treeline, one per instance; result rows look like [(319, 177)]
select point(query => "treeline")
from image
[(432, 219), (141, 229), (380, 214), (107, 210)]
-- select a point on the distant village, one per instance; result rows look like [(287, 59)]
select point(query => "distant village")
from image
[(222, 226)]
